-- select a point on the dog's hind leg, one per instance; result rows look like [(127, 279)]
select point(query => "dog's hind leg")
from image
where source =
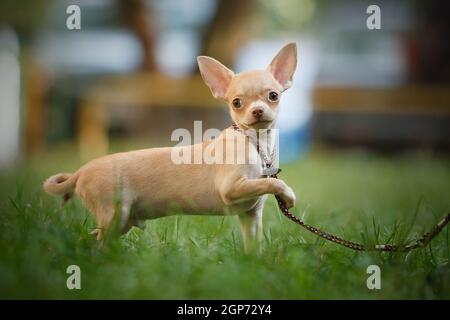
[(125, 219), (104, 216), (110, 215)]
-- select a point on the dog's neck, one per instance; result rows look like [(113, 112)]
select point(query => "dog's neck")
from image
[(265, 144)]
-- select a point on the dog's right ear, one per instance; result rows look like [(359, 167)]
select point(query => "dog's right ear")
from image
[(215, 75)]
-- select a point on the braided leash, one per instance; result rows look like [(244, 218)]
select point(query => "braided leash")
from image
[(420, 242)]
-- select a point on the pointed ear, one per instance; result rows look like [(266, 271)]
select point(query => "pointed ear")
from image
[(215, 75), (284, 64)]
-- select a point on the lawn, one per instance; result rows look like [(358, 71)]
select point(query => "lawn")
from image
[(359, 195)]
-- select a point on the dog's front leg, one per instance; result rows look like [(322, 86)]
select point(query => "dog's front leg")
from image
[(252, 227), (244, 189)]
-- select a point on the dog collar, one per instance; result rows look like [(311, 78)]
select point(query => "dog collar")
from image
[(267, 168)]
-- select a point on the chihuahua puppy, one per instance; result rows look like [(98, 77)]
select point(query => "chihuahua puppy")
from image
[(149, 181)]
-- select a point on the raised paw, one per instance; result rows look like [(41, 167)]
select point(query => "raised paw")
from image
[(288, 196)]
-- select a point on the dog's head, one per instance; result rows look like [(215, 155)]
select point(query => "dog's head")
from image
[(252, 96)]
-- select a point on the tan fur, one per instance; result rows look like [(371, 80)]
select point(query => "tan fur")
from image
[(149, 179)]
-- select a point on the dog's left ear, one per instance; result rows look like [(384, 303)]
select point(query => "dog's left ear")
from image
[(284, 64)]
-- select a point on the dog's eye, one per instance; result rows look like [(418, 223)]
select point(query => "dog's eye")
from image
[(237, 103), (273, 96)]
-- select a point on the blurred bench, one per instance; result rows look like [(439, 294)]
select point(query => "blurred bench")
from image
[(133, 90), (405, 99), (408, 115), (341, 114)]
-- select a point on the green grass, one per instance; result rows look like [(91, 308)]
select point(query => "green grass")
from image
[(360, 196)]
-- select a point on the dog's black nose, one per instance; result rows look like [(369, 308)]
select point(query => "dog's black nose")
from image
[(258, 112)]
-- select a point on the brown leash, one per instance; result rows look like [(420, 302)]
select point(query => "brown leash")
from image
[(420, 242)]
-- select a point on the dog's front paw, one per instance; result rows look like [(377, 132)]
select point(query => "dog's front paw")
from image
[(288, 196)]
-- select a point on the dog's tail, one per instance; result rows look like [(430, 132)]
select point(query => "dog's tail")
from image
[(61, 184)]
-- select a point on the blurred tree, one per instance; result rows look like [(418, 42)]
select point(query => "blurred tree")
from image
[(227, 30), (136, 14), (26, 18), (428, 46)]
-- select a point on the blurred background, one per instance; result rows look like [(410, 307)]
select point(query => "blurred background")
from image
[(364, 134), (129, 74)]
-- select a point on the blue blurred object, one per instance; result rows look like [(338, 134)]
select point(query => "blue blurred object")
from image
[(295, 143)]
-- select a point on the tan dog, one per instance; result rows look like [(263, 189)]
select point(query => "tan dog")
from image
[(150, 180)]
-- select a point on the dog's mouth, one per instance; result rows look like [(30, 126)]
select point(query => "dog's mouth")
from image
[(260, 124)]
